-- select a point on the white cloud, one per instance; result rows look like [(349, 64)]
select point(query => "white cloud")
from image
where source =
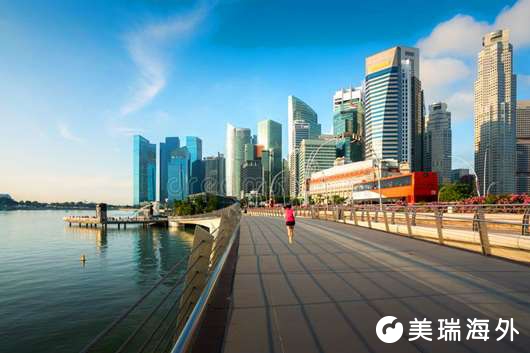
[(148, 50), (516, 18), (458, 36), (441, 71), (461, 105), (449, 55), (67, 134)]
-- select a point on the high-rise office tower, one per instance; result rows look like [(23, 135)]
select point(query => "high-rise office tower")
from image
[(523, 147), (495, 102), (315, 155), (194, 145), (166, 147), (438, 140), (214, 174), (236, 138), (300, 112), (270, 137), (144, 170), (178, 169), (348, 121), (394, 122)]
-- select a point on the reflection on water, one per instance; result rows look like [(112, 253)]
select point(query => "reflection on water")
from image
[(50, 300)]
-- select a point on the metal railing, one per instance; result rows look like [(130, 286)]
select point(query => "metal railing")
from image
[(499, 230), (167, 316)]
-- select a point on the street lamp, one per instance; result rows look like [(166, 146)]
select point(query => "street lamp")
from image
[(272, 185), (489, 186), (378, 161)]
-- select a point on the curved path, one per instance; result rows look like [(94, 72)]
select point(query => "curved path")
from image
[(327, 291)]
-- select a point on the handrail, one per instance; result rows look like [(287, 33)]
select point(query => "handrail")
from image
[(186, 337)]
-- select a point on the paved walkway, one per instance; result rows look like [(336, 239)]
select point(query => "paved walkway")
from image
[(327, 291)]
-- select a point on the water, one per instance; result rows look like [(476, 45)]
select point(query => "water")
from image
[(50, 301)]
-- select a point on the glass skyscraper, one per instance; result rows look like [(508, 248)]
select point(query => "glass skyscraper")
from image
[(270, 137), (144, 170), (166, 147), (214, 174), (394, 120), (194, 145), (299, 114), (236, 138), (438, 141), (178, 174)]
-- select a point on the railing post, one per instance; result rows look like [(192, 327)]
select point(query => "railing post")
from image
[(407, 219), (413, 216), (197, 276), (483, 232), (439, 224), (525, 225), (393, 217), (376, 218), (385, 217), (369, 219), (354, 211)]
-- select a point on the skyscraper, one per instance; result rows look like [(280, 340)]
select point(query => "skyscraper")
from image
[(214, 174), (348, 121), (315, 155), (438, 140), (144, 170), (394, 123), (236, 138), (166, 147), (523, 147), (194, 145), (270, 137), (307, 120), (495, 102), (178, 170)]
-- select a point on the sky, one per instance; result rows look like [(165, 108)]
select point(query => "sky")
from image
[(79, 78)]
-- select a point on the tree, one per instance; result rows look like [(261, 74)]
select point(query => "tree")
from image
[(455, 192)]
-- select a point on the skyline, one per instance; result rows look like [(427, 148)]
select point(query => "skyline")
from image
[(172, 69)]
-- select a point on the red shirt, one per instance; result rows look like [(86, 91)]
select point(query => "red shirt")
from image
[(289, 215)]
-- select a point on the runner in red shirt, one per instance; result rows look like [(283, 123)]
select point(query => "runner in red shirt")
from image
[(289, 222)]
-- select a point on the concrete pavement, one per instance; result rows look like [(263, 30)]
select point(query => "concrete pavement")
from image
[(327, 291)]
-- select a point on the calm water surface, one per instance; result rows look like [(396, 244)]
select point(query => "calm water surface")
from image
[(50, 301)]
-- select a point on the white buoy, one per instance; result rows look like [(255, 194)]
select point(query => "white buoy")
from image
[(83, 258)]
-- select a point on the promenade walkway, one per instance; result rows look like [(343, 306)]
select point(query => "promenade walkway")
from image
[(326, 292)]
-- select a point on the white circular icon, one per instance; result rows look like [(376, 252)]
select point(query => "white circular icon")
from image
[(389, 330)]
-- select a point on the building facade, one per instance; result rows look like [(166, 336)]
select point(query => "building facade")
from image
[(315, 155), (457, 174), (523, 147), (301, 120), (214, 174), (194, 146), (394, 122), (438, 142), (495, 120), (178, 174), (166, 147), (236, 138), (270, 137), (144, 170)]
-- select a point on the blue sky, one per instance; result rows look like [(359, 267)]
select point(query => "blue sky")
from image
[(77, 78)]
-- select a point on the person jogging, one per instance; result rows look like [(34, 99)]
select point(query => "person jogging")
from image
[(289, 222)]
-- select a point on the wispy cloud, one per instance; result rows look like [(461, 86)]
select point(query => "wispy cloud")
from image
[(148, 49), (67, 134)]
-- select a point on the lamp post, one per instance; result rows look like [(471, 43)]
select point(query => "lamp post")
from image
[(272, 185), (488, 189), (378, 161)]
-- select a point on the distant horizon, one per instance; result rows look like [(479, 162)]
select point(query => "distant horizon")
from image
[(187, 69)]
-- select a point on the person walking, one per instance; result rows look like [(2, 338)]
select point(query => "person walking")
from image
[(289, 222)]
